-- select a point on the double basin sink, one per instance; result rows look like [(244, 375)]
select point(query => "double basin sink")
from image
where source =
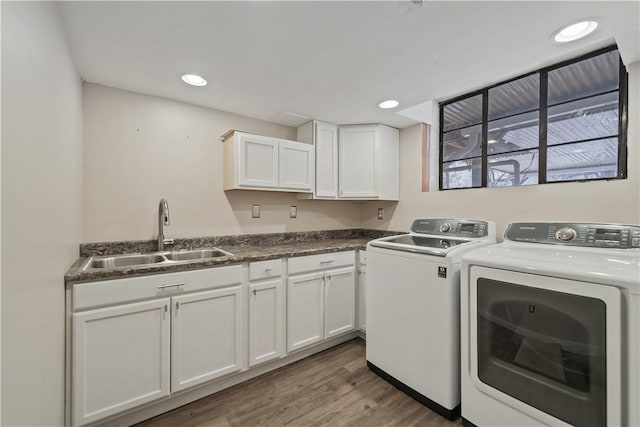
[(135, 260)]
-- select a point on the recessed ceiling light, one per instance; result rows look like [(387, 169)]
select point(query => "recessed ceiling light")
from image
[(194, 80), (389, 103), (575, 31)]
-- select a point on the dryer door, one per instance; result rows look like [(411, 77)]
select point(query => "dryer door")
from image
[(546, 346)]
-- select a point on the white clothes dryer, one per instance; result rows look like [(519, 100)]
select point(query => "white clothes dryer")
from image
[(550, 324), (413, 308)]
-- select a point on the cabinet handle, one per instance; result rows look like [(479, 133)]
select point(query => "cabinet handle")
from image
[(172, 285), (327, 262), (164, 315), (267, 270), (177, 305), (254, 292)]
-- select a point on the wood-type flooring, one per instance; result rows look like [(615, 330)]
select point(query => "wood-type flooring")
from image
[(333, 389)]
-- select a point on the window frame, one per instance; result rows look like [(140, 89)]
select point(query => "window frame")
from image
[(543, 108)]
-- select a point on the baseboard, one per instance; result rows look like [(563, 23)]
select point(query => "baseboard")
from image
[(450, 414)]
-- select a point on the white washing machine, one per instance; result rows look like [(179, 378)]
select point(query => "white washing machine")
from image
[(551, 327), (412, 304)]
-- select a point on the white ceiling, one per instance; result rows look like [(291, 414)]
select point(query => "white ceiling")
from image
[(332, 61)]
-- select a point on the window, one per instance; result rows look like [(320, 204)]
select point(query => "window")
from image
[(563, 123)]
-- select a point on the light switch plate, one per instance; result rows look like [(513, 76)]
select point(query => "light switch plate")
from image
[(380, 213), (293, 211), (255, 211)]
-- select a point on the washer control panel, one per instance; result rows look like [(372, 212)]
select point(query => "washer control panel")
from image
[(575, 234), (450, 227)]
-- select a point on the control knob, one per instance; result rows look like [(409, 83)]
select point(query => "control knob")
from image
[(565, 234), (445, 227)]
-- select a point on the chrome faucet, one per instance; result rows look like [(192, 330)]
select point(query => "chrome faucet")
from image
[(163, 219)]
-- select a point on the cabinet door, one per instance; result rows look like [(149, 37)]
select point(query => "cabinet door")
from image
[(305, 310), (120, 358), (257, 161), (326, 160), (357, 176), (296, 165), (206, 332), (340, 302), (266, 321), (362, 295)]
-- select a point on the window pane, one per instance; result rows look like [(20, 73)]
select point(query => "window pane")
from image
[(515, 97), (462, 144), (508, 170), (589, 118), (462, 174), (583, 160), (513, 133), (589, 77), (465, 112)]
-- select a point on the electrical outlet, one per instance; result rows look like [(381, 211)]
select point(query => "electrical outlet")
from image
[(255, 211), (293, 211), (380, 213)]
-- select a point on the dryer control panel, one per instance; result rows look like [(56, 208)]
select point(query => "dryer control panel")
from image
[(575, 234), (451, 227)]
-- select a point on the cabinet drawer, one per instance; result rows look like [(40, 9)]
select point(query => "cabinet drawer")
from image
[(320, 262), (87, 295), (265, 269)]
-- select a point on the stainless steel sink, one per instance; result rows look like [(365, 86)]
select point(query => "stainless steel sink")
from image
[(122, 261), (196, 254)]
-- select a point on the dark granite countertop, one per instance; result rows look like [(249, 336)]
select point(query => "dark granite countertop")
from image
[(246, 248)]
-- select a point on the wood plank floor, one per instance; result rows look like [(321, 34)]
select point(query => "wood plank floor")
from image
[(332, 388)]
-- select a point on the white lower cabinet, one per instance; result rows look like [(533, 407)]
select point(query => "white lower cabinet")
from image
[(340, 302), (120, 357), (129, 354), (362, 290), (305, 310), (137, 340), (362, 297), (320, 304), (206, 336), (266, 311)]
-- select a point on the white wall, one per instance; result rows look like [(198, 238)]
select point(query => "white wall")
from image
[(140, 148), (603, 201), (41, 179)]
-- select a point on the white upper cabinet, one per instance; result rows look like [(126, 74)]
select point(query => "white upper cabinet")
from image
[(258, 161), (326, 160), (359, 162), (255, 162), (324, 137), (368, 157), (296, 166)]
